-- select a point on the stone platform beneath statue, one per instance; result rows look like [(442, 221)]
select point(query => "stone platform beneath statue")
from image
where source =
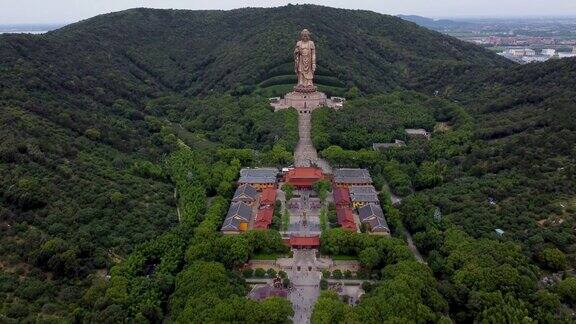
[(306, 101)]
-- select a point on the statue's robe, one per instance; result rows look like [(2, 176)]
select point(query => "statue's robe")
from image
[(305, 59)]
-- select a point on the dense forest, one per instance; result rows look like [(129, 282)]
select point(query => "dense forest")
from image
[(122, 137), (501, 157)]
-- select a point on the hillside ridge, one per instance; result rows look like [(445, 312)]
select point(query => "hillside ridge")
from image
[(202, 51)]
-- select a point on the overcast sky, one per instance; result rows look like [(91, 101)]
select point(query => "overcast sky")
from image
[(65, 11)]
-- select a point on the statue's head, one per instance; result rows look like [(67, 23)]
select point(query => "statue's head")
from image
[(305, 35)]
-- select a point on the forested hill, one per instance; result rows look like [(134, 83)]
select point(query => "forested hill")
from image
[(108, 125), (199, 51)]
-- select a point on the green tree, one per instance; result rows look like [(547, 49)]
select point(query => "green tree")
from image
[(288, 190), (322, 187), (567, 290), (553, 259), (233, 250), (337, 274), (271, 310), (353, 93), (369, 257), (259, 273), (329, 309)]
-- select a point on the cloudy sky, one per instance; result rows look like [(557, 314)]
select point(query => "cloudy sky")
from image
[(65, 11)]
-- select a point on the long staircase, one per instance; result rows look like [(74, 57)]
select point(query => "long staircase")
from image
[(305, 154)]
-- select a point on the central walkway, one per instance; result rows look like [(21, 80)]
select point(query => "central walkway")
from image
[(300, 207), (304, 274), (305, 154), (303, 268), (305, 279)]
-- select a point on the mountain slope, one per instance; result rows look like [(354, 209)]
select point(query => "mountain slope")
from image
[(90, 112), (200, 51), (435, 24)]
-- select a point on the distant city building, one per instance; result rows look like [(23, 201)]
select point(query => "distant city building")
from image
[(518, 52), (533, 59), (566, 55), (527, 55)]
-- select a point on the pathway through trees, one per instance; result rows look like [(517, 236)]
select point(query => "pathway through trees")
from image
[(305, 154)]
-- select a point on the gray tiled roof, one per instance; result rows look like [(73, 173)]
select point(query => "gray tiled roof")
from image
[(245, 190), (352, 176), (364, 198), (240, 210), (259, 175), (363, 194), (370, 211), (231, 224), (362, 190), (374, 216), (378, 224)]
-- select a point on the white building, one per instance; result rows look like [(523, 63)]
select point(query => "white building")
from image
[(548, 52), (515, 52), (519, 52), (532, 59), (566, 55)]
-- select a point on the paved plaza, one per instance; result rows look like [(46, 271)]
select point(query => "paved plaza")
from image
[(298, 207), (305, 278)]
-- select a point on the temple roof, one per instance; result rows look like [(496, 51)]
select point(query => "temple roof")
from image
[(370, 211), (353, 176), (245, 191), (268, 196), (312, 241), (341, 196), (259, 175), (240, 210)]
